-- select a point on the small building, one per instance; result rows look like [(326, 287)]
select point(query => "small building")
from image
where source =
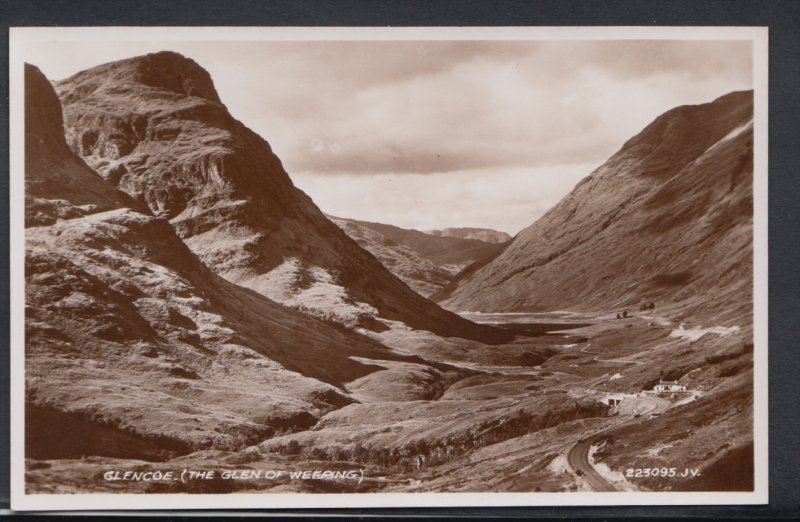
[(669, 387), (613, 399)]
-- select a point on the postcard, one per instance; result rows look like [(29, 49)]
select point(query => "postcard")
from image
[(388, 267)]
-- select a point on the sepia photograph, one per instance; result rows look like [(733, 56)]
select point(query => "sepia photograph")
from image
[(375, 267)]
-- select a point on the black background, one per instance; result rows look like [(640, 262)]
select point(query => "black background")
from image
[(781, 16)]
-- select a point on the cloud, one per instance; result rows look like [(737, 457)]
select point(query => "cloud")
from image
[(427, 107), (432, 107), (506, 200), (574, 104), (454, 112)]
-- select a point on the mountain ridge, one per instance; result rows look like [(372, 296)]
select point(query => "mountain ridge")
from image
[(442, 250), (421, 274)]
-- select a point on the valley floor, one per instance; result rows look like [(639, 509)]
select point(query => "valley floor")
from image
[(523, 416)]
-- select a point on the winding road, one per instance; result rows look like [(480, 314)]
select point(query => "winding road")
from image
[(578, 455), (616, 360)]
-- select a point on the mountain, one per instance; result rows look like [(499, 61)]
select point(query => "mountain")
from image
[(481, 234), (155, 127), (667, 220), (58, 184), (426, 262), (423, 275), (133, 347), (451, 253)]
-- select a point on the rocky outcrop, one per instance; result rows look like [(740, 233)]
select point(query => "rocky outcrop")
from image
[(666, 220), (154, 127)]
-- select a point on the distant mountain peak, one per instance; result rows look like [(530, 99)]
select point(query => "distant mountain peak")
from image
[(426, 262), (481, 234)]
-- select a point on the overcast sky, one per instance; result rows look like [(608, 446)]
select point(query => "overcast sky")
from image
[(436, 134)]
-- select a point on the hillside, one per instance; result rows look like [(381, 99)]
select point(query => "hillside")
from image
[(122, 319), (421, 274), (425, 261), (136, 354), (449, 252), (666, 220), (154, 127)]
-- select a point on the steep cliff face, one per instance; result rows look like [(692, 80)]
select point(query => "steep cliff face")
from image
[(133, 347), (58, 184), (668, 219), (154, 127)]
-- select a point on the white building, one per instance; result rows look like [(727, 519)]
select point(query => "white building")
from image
[(669, 387), (612, 399)]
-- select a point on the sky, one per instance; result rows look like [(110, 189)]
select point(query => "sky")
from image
[(436, 134)]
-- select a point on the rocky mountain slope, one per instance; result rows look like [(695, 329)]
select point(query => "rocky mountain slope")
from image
[(666, 220), (481, 234), (155, 127), (133, 347)]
